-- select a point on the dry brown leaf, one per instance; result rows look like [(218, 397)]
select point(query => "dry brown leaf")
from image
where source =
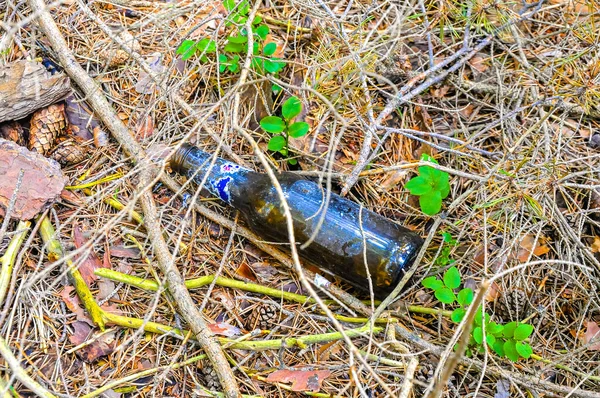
[(81, 118), (41, 184), (101, 346), (595, 246), (527, 247), (245, 272), (88, 262), (74, 304), (145, 127), (302, 380), (224, 329), (592, 334), (478, 63), (121, 251), (393, 179)]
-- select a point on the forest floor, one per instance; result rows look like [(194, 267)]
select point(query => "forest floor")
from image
[(504, 95)]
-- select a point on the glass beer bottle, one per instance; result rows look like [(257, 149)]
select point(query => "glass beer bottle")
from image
[(350, 239)]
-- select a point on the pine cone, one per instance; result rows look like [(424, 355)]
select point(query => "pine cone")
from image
[(210, 378), (513, 305), (12, 131), (46, 125), (68, 152), (263, 317)]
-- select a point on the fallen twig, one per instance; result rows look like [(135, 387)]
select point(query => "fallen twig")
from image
[(107, 114)]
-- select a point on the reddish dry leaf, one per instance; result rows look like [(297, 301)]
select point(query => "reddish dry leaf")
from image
[(81, 332), (102, 346), (41, 184), (88, 262), (74, 304), (245, 272), (71, 197), (224, 329), (144, 127), (302, 380), (592, 334)]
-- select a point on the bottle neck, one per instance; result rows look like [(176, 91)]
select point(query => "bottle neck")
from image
[(196, 164)]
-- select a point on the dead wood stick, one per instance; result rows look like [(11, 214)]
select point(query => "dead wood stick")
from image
[(27, 86), (132, 148)]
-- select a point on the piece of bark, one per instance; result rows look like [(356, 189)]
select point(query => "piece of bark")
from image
[(40, 186), (27, 86)]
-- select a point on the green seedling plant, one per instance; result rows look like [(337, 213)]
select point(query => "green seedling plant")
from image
[(508, 340), (431, 186), (284, 127), (236, 46)]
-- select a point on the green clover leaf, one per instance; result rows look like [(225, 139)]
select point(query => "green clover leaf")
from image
[(276, 143), (298, 129), (291, 108), (272, 124), (445, 295), (452, 278)]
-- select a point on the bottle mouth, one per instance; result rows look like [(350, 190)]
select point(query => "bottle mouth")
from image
[(178, 159)]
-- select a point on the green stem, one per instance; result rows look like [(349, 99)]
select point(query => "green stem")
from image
[(55, 252), (8, 259), (429, 311), (258, 345), (300, 342), (151, 285)]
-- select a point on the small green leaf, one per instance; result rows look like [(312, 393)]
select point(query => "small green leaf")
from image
[(262, 31), (478, 335), (452, 278), (465, 297), (509, 330), (274, 65), (428, 173), (495, 329), (498, 347), (276, 143), (523, 331), (275, 88), (229, 4), (511, 351), (293, 161), (458, 315), (523, 349), (490, 339), (270, 49), (206, 46), (432, 283), (186, 49), (291, 108), (418, 186), (272, 124), (445, 295), (431, 203), (257, 19), (298, 129), (239, 39), (442, 184), (234, 47)]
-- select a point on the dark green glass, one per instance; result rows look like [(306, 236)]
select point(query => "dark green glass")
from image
[(349, 234)]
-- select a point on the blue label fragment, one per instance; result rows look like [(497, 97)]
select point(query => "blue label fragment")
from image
[(221, 188)]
